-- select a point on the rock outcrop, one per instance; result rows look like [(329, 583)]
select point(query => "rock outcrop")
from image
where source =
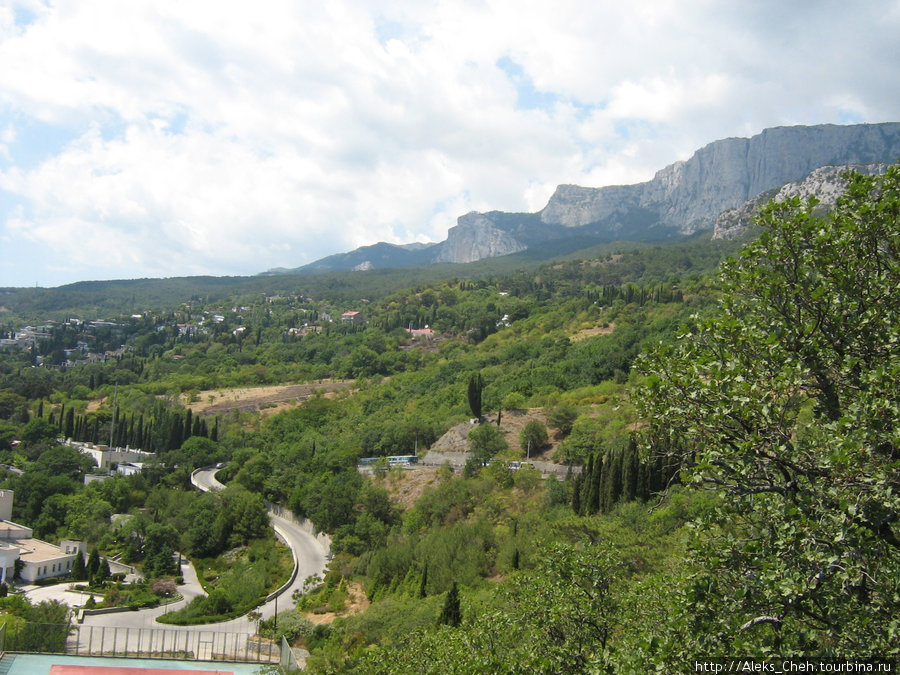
[(475, 237), (825, 184), (682, 199), (688, 196)]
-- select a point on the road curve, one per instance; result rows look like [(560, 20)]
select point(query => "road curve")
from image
[(310, 558)]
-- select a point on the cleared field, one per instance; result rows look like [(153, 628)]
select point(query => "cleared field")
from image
[(268, 400)]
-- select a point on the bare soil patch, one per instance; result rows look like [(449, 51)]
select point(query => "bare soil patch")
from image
[(405, 486), (356, 602), (268, 400), (591, 332), (511, 424)]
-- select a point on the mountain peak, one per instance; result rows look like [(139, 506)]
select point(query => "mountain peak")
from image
[(681, 199)]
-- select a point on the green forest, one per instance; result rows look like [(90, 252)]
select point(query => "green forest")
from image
[(723, 418)]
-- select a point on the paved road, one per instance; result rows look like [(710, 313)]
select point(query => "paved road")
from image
[(309, 556), (458, 460)]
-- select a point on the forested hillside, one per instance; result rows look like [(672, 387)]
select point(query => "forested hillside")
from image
[(726, 441)]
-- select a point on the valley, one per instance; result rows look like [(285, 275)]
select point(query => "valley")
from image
[(712, 426)]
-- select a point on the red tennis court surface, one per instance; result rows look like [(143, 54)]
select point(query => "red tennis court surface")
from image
[(57, 669)]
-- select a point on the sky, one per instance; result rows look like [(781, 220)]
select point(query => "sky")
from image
[(154, 138)]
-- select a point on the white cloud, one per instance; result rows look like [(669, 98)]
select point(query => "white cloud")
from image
[(212, 137)]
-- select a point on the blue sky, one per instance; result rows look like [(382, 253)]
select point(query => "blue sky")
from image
[(147, 139)]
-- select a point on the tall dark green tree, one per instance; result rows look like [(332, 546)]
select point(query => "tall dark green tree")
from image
[(596, 481), (423, 583), (451, 614), (79, 572), (587, 475), (93, 564), (475, 389)]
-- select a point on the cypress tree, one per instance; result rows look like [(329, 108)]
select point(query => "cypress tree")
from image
[(586, 475), (476, 386), (93, 564), (593, 505), (576, 493), (630, 471), (612, 480), (451, 614), (69, 427), (423, 583), (175, 433), (79, 572), (102, 574)]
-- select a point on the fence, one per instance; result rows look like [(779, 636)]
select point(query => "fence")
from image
[(290, 663), (156, 643)]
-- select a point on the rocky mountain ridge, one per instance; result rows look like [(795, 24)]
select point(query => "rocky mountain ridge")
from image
[(826, 184), (682, 199)]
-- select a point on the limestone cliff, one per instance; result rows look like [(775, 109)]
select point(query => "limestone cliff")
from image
[(681, 199), (825, 184), (475, 237), (688, 196)]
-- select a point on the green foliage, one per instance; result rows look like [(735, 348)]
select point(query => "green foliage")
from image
[(451, 614), (559, 619), (785, 403), (406, 394), (29, 627), (562, 417), (533, 437), (242, 579), (292, 626), (486, 442)]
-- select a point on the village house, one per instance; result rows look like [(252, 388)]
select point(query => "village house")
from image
[(421, 332)]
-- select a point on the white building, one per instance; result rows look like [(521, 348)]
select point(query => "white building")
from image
[(38, 559), (105, 457)]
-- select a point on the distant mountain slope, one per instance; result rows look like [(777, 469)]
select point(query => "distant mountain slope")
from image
[(682, 199), (377, 256)]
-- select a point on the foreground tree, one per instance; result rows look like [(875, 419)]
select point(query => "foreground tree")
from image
[(786, 403)]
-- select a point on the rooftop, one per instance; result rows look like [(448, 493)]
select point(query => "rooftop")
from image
[(35, 551), (10, 530)]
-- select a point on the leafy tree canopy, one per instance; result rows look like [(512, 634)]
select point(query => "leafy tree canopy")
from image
[(785, 402)]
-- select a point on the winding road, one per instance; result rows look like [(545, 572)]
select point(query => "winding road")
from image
[(310, 558)]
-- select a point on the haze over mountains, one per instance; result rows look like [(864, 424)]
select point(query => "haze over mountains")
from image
[(683, 199)]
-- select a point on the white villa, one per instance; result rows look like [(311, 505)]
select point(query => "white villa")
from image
[(105, 457), (39, 559)]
